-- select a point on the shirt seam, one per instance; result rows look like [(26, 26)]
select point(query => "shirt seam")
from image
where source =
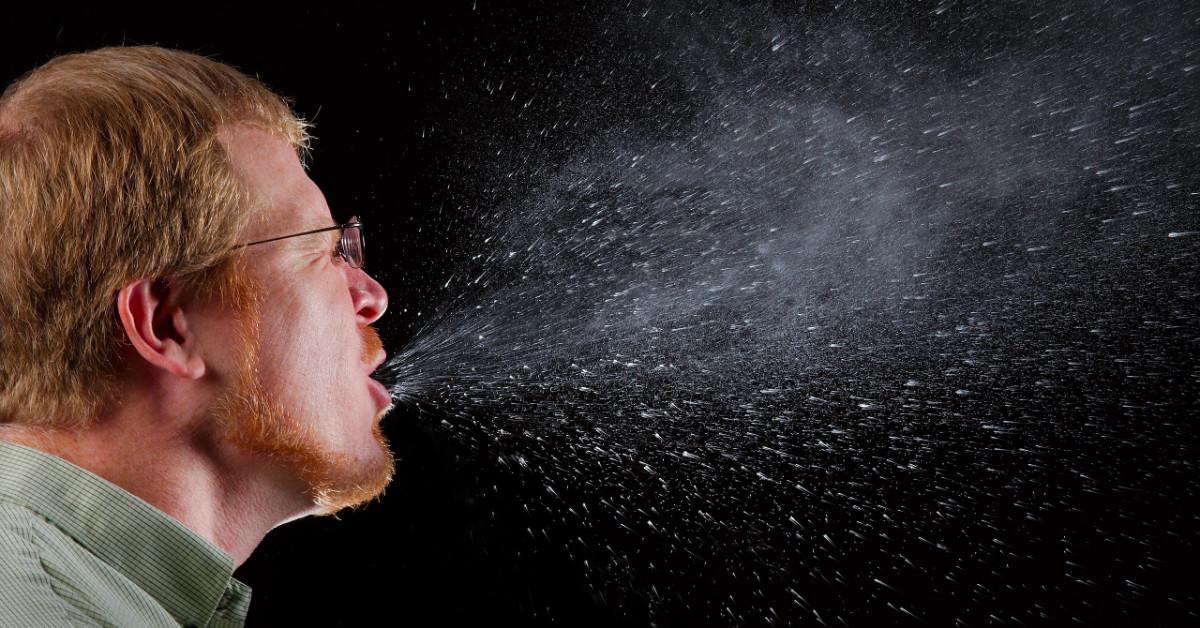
[(29, 534)]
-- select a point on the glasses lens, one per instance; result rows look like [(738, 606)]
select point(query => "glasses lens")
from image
[(352, 243)]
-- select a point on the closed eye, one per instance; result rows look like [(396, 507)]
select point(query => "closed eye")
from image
[(336, 250)]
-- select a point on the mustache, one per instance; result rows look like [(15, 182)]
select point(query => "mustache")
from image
[(372, 344)]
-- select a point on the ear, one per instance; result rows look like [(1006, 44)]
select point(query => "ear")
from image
[(157, 327)]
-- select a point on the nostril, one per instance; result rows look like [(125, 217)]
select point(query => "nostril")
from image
[(370, 298)]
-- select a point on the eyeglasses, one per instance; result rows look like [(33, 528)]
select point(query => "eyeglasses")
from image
[(350, 246)]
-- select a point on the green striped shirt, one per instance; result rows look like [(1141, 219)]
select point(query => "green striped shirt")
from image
[(77, 550)]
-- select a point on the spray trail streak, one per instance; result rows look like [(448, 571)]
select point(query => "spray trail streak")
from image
[(850, 350)]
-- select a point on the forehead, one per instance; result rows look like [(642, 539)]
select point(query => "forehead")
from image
[(285, 198)]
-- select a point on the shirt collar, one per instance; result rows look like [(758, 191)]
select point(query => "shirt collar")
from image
[(189, 576)]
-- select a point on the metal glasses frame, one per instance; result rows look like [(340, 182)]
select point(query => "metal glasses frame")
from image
[(345, 244)]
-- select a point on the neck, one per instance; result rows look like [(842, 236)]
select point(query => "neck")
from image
[(223, 494)]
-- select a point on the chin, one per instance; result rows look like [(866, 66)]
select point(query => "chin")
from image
[(350, 481)]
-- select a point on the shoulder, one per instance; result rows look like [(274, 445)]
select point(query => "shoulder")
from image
[(27, 593), (19, 529)]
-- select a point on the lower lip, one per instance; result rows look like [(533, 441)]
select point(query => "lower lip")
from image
[(380, 393)]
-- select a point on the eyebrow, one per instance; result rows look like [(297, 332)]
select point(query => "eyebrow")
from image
[(330, 239), (330, 228)]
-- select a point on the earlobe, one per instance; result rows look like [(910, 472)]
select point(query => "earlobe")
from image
[(157, 326)]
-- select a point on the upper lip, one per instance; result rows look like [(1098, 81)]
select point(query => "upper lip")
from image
[(380, 360)]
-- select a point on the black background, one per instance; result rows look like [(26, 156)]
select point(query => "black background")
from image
[(403, 128)]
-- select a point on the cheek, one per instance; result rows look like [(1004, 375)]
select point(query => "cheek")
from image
[(309, 341)]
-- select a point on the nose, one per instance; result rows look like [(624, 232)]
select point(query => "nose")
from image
[(370, 299)]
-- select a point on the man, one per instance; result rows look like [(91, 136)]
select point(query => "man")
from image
[(185, 349)]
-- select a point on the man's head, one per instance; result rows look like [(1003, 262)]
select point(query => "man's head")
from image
[(128, 178)]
